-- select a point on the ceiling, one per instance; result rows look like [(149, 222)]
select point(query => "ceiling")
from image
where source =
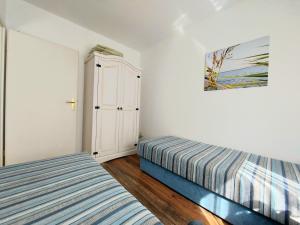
[(135, 23)]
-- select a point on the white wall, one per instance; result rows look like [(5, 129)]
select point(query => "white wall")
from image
[(29, 19), (2, 11), (262, 120)]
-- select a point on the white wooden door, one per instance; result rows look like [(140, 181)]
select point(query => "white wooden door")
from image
[(41, 78), (2, 46), (129, 100), (107, 117)]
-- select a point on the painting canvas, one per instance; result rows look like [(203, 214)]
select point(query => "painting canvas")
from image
[(239, 66)]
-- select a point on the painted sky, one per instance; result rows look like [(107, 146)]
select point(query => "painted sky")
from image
[(236, 58)]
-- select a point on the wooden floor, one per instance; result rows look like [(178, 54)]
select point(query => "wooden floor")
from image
[(169, 206)]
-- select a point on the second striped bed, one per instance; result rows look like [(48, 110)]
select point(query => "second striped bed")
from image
[(268, 186)]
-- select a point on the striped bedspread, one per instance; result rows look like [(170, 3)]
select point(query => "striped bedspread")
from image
[(268, 186), (72, 189)]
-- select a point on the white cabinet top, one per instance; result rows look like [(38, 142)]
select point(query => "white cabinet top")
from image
[(111, 58)]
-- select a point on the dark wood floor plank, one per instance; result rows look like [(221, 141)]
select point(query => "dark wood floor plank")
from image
[(169, 206)]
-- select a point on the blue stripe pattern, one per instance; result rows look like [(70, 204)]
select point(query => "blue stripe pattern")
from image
[(72, 189), (268, 186)]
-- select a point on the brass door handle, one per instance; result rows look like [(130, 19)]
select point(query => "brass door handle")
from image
[(73, 103)]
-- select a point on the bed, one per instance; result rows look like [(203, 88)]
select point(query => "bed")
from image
[(240, 187), (72, 189)]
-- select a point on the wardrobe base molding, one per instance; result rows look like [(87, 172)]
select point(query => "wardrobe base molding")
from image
[(102, 159)]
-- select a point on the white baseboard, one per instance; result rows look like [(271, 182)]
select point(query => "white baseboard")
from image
[(102, 159)]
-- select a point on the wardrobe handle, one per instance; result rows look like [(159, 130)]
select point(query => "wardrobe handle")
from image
[(118, 108), (121, 108)]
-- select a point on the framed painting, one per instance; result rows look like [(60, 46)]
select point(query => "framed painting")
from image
[(240, 66)]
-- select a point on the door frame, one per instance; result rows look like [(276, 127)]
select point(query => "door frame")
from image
[(2, 93)]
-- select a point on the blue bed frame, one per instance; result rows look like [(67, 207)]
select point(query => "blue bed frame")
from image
[(228, 210)]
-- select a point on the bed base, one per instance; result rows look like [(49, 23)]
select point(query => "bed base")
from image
[(228, 210)]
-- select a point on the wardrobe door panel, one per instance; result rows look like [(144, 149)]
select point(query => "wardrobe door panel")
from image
[(107, 132), (108, 95), (108, 101), (129, 88), (128, 126), (128, 130)]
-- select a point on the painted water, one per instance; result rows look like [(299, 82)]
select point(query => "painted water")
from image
[(245, 77)]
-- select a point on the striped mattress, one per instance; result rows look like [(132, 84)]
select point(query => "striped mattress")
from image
[(72, 189), (268, 186)]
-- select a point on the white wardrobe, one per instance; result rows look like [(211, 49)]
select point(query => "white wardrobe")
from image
[(111, 107)]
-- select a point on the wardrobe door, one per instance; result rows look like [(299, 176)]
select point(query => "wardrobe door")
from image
[(107, 116), (129, 101)]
